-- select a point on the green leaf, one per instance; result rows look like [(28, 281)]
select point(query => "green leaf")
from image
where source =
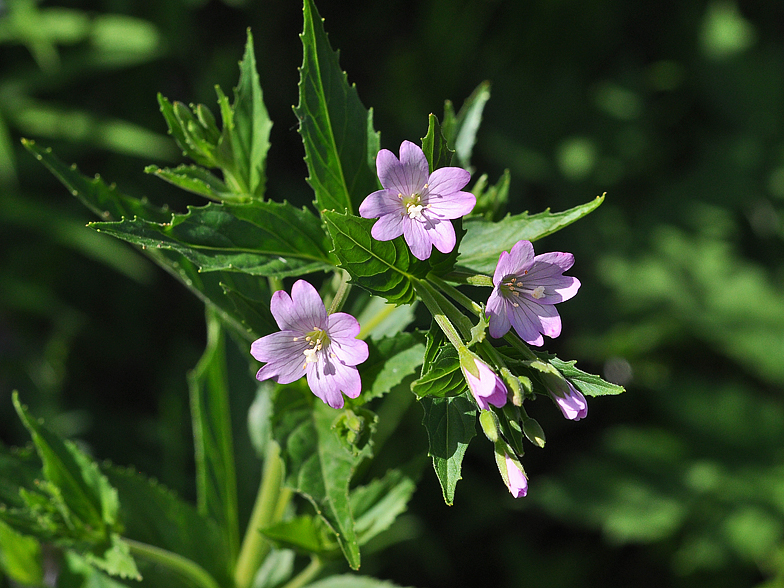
[(484, 241), (247, 131), (588, 384), (443, 377), (305, 534), (216, 478), (491, 200), (383, 268), (194, 179), (154, 515), (84, 490), (460, 131), (262, 238), (20, 557), (450, 425), (318, 465), (105, 201), (435, 147), (77, 572), (378, 504), (337, 131), (390, 361)]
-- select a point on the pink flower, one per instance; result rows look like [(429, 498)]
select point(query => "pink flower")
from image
[(416, 204), (526, 290), (311, 342), (516, 480), (488, 388), (570, 400)]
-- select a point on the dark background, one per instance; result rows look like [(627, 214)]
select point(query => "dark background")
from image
[(675, 109)]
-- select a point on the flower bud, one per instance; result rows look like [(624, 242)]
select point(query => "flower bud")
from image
[(485, 385), (511, 470), (513, 384), (533, 432), (490, 425)]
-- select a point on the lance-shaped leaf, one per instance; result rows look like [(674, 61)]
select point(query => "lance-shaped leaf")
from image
[(194, 179), (484, 241), (390, 361), (262, 238), (435, 147), (377, 504), (588, 384), (443, 376), (318, 465), (20, 557), (86, 501), (216, 478), (460, 130), (450, 424), (337, 131), (383, 268), (105, 201)]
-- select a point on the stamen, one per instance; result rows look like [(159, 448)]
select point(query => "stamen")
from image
[(515, 304)]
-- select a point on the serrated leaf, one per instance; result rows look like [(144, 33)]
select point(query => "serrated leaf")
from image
[(262, 238), (318, 466), (491, 200), (383, 268), (462, 135), (588, 384), (20, 557), (450, 425), (391, 359), (484, 241), (114, 559), (443, 376), (216, 478), (435, 146), (247, 131), (336, 129), (76, 572), (377, 504), (105, 201), (152, 514), (179, 131), (84, 489), (304, 533), (194, 179)]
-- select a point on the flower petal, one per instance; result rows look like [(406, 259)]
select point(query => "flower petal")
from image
[(488, 388), (442, 235), (417, 237), (447, 180), (454, 205), (379, 203), (343, 329), (573, 405), (498, 313), (301, 312), (389, 227), (526, 321), (405, 176), (514, 262), (284, 354), (326, 379)]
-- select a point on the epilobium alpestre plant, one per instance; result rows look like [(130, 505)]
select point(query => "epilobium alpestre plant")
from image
[(384, 234)]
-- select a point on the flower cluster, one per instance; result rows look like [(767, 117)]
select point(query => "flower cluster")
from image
[(526, 287)]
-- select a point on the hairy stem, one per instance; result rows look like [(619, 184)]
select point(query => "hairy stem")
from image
[(183, 566)]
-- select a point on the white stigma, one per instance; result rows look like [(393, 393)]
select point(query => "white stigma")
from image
[(415, 211), (315, 345), (538, 292)]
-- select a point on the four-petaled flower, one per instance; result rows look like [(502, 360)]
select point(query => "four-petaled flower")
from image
[(488, 388), (311, 342), (416, 204), (526, 290), (570, 400), (515, 478)]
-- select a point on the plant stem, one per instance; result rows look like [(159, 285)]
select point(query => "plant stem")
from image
[(306, 575), (377, 319), (342, 292), (469, 278), (254, 546), (183, 566), (456, 294), (426, 292)]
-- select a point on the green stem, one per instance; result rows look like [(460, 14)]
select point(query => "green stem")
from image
[(469, 278), (183, 566), (426, 292), (520, 346), (377, 319), (306, 575), (456, 295), (254, 546), (341, 294)]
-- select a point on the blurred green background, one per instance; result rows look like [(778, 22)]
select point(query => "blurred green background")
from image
[(675, 109)]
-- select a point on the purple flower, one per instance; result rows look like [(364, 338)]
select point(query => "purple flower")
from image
[(416, 204), (311, 342), (488, 388), (570, 400), (516, 480), (526, 290)]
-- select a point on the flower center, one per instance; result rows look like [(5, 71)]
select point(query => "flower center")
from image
[(514, 286), (413, 205), (317, 340)]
